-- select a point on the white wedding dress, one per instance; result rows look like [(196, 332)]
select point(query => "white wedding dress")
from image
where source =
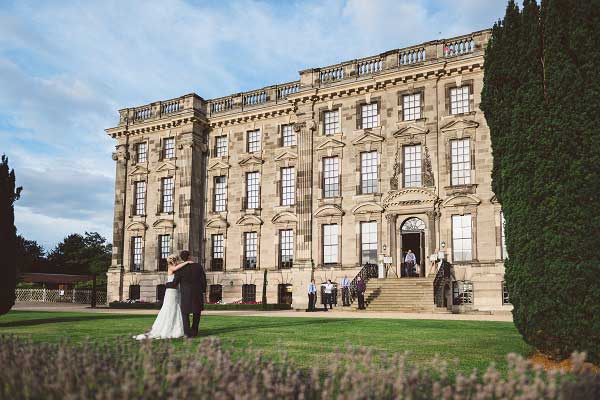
[(168, 323)]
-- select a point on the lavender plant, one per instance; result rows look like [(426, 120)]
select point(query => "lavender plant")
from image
[(160, 370)]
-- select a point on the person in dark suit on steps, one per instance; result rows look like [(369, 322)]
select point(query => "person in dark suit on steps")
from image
[(192, 284)]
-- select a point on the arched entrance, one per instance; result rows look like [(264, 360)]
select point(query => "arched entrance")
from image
[(412, 237)]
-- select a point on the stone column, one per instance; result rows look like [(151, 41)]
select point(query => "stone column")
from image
[(304, 185), (303, 259), (114, 274), (391, 219)]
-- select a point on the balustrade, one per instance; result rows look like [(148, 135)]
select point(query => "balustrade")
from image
[(332, 74), (171, 106), (252, 99), (369, 67), (411, 56), (217, 106), (142, 113), (459, 47), (284, 91)]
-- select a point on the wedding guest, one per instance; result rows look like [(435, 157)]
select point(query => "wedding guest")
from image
[(345, 291), (312, 295), (361, 287), (329, 294)]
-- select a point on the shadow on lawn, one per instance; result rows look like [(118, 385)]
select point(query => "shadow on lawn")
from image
[(79, 318), (262, 325)]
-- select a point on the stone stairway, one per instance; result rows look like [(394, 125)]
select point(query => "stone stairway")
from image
[(399, 294)]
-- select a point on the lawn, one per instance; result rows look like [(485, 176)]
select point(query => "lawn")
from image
[(307, 341)]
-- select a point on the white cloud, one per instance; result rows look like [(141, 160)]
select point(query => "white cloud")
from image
[(67, 67)]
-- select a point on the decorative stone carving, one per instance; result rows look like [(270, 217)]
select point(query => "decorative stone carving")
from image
[(428, 179), (397, 169)]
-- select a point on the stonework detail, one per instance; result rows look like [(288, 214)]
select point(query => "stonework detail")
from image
[(333, 145)]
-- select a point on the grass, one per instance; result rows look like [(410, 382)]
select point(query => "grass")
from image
[(307, 341)]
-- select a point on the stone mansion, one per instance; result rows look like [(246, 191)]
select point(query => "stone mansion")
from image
[(353, 163)]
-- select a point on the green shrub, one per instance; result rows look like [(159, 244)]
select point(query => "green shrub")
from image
[(211, 307), (161, 370)]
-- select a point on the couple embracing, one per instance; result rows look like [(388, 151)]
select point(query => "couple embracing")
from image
[(184, 295)]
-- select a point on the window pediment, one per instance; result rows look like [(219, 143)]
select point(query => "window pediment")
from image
[(136, 226), (461, 200), (408, 197), (163, 223), (459, 125), (217, 223), (249, 220), (329, 143), (166, 166), (329, 210), (368, 137), (286, 155), (285, 217), (410, 131), (251, 160), (139, 170), (368, 207), (218, 165)]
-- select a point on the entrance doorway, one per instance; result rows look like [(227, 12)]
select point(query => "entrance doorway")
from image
[(284, 293), (412, 237)]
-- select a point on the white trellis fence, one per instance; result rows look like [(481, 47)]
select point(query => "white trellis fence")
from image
[(78, 296)]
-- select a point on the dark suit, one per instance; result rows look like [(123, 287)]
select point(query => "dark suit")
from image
[(192, 287)]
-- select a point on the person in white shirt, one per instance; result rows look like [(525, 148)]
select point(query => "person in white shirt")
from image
[(345, 291), (409, 261), (312, 295), (328, 294)]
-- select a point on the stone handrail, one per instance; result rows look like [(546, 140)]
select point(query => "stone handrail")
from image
[(332, 74), (412, 56), (459, 47), (366, 67)]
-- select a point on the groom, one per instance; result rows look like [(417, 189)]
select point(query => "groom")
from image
[(192, 286)]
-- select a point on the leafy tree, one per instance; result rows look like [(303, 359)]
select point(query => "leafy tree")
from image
[(31, 256), (9, 193), (77, 254), (540, 99)]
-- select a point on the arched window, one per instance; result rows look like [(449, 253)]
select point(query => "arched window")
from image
[(413, 224)]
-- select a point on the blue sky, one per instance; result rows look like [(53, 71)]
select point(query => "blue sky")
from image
[(66, 67)]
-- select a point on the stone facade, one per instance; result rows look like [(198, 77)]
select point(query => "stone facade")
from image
[(410, 142)]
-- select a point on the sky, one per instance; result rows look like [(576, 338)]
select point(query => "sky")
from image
[(66, 67)]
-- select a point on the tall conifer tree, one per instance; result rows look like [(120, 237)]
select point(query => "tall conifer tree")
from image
[(8, 237), (541, 101)]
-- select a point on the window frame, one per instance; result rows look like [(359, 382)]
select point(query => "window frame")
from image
[(248, 293), (367, 174), (250, 239), (330, 240), (167, 195), (370, 119), (370, 245), (288, 135), (331, 177), (137, 254), (138, 154), (409, 165), (253, 141), (287, 185), (220, 193), (217, 246), (252, 188), (139, 196), (413, 110), (221, 150), (286, 248), (460, 162), (332, 126), (168, 148), (162, 261), (462, 239), (457, 106)]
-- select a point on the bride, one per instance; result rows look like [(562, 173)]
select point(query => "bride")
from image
[(168, 323)]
